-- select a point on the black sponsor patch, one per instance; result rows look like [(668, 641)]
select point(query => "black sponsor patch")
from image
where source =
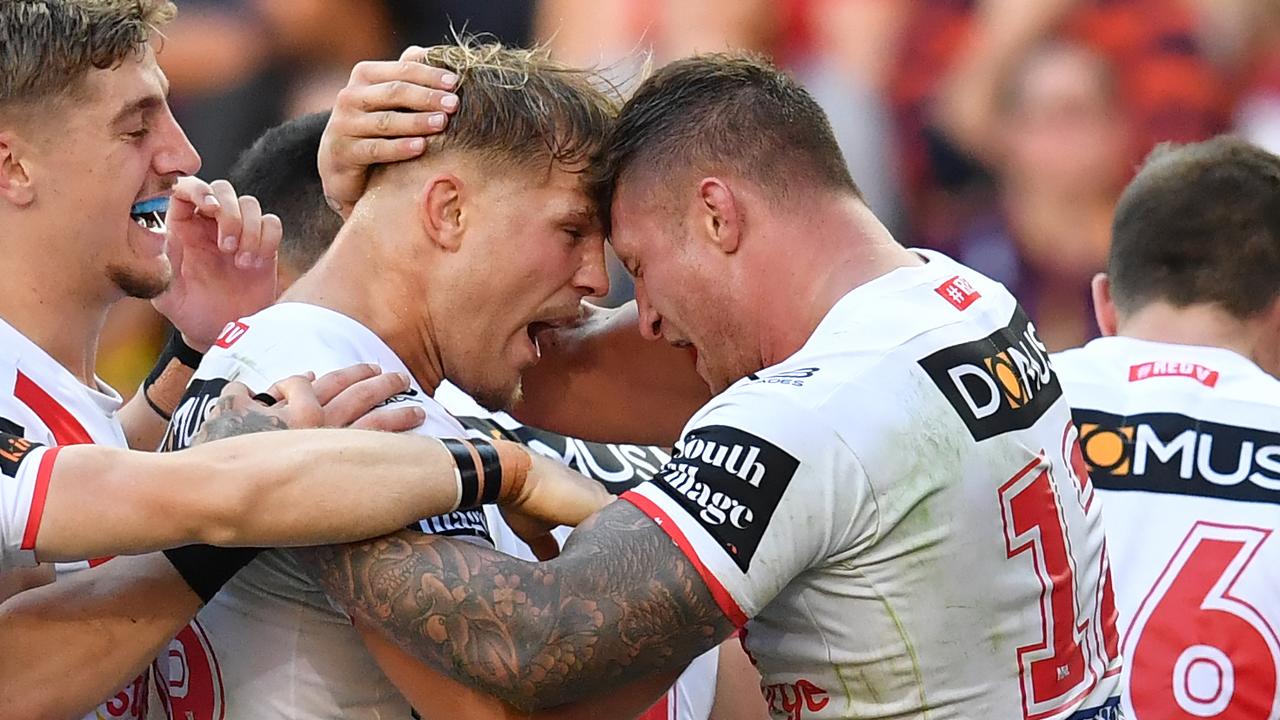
[(731, 481), (13, 448), (192, 413), (618, 467), (11, 427), (460, 523), (1176, 454), (998, 384)]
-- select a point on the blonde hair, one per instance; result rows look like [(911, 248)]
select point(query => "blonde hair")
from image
[(518, 106)]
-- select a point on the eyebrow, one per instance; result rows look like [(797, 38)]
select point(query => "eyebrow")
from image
[(149, 102)]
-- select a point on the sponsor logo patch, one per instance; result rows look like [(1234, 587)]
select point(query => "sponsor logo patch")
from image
[(12, 449), (230, 334), (796, 700), (460, 523), (192, 412), (1201, 374), (959, 292), (731, 481), (790, 377), (998, 384), (619, 467), (1171, 453)]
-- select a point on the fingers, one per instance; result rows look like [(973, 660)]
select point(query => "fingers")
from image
[(190, 195), (248, 251), (392, 419), (410, 68), (332, 383), (355, 401), (228, 215)]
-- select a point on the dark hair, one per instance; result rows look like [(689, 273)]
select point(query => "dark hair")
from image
[(47, 47), (280, 170), (1199, 224), (723, 110), (521, 108)]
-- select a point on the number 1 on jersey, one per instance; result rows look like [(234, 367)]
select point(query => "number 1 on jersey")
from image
[(1065, 664)]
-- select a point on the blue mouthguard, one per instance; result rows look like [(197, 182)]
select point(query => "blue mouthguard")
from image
[(160, 205)]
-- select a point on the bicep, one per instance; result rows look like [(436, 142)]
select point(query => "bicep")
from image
[(622, 603)]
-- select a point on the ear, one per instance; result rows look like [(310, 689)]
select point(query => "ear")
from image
[(440, 210), (720, 215), (1104, 308), (15, 180)]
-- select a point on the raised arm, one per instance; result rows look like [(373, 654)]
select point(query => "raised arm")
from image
[(620, 604)]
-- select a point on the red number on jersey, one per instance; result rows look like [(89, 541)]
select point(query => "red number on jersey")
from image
[(1197, 650), (1065, 664)]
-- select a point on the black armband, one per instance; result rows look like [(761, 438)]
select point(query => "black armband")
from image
[(206, 568), (176, 354)]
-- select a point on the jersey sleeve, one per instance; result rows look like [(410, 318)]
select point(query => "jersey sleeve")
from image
[(25, 467), (758, 491)]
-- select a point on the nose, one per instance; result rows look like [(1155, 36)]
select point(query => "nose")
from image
[(650, 319), (176, 155), (592, 278)]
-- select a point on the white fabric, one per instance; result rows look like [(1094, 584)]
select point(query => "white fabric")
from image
[(271, 645), (1183, 443), (853, 500)]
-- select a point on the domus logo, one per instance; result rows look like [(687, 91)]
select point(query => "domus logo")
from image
[(1171, 453), (997, 384)]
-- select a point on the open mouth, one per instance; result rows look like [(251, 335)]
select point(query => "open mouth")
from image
[(149, 214)]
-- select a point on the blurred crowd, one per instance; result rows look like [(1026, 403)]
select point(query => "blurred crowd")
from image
[(998, 131)]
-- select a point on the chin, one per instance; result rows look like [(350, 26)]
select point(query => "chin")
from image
[(493, 397), (140, 283)]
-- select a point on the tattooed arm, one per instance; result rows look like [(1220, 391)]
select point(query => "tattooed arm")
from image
[(621, 603)]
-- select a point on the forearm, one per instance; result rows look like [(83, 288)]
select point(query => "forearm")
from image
[(619, 605), (304, 488), (70, 644)]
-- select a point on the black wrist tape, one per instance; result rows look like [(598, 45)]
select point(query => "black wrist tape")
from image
[(467, 472), (492, 467), (206, 568), (176, 351)]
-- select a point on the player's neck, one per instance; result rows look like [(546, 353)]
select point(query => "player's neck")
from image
[(56, 310), (1202, 324), (349, 279), (846, 247)]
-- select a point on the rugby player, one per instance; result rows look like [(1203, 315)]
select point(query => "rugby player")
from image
[(882, 494), (1177, 408), (281, 170), (105, 624), (89, 156), (449, 267)]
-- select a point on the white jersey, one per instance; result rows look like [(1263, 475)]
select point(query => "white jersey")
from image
[(271, 645), (893, 515), (42, 402), (1183, 443), (619, 467)]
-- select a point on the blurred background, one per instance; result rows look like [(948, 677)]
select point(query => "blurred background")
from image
[(997, 131)]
